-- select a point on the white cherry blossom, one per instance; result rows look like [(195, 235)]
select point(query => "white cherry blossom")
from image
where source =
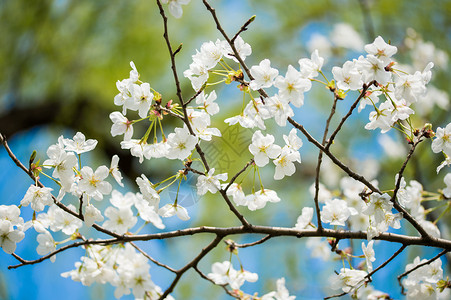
[(175, 7), (381, 50), (79, 144), (93, 184), (181, 143), (38, 197), (263, 148), (263, 75), (121, 125), (210, 182)]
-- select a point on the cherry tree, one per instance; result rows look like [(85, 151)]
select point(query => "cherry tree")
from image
[(361, 210)]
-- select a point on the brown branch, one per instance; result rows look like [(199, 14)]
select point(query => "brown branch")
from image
[(191, 264), (394, 200), (235, 210), (64, 248), (238, 174), (260, 241), (387, 261), (195, 95), (318, 164), (243, 28), (351, 109)]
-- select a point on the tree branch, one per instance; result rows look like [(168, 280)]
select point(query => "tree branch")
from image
[(191, 264)]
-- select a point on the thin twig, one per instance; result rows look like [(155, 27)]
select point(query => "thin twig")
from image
[(177, 83), (260, 241), (351, 109), (387, 261), (243, 28), (64, 248), (235, 210), (152, 259), (394, 200), (318, 164), (238, 174), (191, 264), (195, 95)]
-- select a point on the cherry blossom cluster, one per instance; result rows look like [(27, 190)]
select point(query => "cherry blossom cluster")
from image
[(121, 266)]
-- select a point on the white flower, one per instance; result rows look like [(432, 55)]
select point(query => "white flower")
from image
[(442, 141), (147, 190), (378, 206), (136, 148), (46, 244), (280, 109), (156, 150), (348, 280), (263, 75), (303, 221), (224, 273), (142, 98), (243, 49), (120, 220), (63, 163), (207, 100), (175, 6), (114, 170), (369, 254), (61, 220), (410, 87), (92, 215), (93, 184), (336, 212), (292, 86), (38, 197), (209, 182), (9, 236), (236, 191), (181, 144), (79, 144), (147, 212), (221, 272), (292, 141), (122, 201), (381, 50), (373, 68), (197, 74), (281, 294), (259, 199), (309, 68), (121, 125), (210, 54), (284, 163), (174, 209), (263, 148), (348, 77)]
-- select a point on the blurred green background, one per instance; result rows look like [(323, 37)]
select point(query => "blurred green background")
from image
[(60, 61)]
